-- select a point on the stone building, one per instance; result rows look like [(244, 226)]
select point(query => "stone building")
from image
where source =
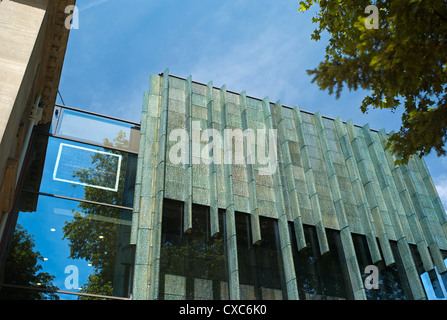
[(33, 41), (219, 195), (335, 205)]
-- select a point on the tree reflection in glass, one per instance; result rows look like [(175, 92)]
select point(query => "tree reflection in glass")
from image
[(99, 233), (22, 268), (192, 265)]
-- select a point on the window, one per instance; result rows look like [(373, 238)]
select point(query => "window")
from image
[(434, 283), (81, 171), (95, 129), (81, 247), (393, 283), (320, 277), (192, 265), (73, 215), (261, 274)]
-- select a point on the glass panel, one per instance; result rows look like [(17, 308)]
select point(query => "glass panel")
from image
[(260, 267), (70, 246), (81, 171), (393, 283), (321, 277), (192, 265), (443, 283), (73, 162), (435, 284), (95, 129), (433, 288)]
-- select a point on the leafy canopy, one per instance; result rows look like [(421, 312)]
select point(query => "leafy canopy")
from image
[(95, 233), (400, 64)]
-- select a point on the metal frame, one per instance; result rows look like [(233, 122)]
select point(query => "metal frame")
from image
[(63, 292), (78, 200), (98, 114), (138, 125)]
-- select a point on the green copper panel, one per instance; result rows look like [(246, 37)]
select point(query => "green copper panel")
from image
[(329, 174)]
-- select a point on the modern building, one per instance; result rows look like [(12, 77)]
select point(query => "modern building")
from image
[(305, 228), (214, 195), (219, 195)]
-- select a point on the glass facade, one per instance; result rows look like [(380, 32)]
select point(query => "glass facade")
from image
[(73, 216), (81, 171), (95, 129)]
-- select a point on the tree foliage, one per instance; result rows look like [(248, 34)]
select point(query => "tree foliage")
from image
[(400, 64), (94, 231)]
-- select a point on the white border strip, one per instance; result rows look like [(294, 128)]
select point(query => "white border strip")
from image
[(81, 183)]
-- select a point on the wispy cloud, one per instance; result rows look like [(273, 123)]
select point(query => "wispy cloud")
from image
[(441, 187), (262, 66), (93, 4), (438, 168)]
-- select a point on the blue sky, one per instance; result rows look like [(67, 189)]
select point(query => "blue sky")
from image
[(261, 46)]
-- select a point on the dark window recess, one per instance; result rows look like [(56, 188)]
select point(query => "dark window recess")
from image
[(260, 266), (320, 276), (417, 259), (192, 265), (393, 282)]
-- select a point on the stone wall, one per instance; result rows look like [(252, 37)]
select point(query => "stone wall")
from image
[(33, 39)]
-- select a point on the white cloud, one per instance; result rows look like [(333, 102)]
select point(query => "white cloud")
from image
[(437, 166), (441, 187)]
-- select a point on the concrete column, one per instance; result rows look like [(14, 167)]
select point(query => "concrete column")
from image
[(368, 186), (284, 236), (359, 193), (233, 268), (188, 192), (310, 182), (249, 165), (386, 184), (407, 207), (424, 217), (355, 277), (290, 185), (214, 194)]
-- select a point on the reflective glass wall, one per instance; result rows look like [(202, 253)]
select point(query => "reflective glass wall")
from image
[(73, 215)]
